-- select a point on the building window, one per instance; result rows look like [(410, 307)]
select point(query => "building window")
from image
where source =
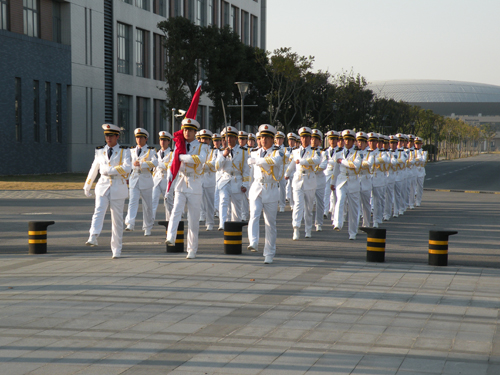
[(56, 22), (160, 7), (159, 119), (127, 1), (254, 26), (189, 10), (124, 111), (211, 13), (233, 22), (245, 28), (225, 13), (18, 109), (142, 113), (159, 58), (200, 12), (123, 46), (31, 16), (175, 8), (36, 110), (4, 14), (48, 109), (58, 113), (141, 53), (143, 4)]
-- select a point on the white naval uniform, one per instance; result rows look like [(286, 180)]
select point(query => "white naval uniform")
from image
[(391, 181), (111, 190), (208, 207), (140, 185), (421, 161), (282, 184), (399, 203), (303, 185), (378, 185), (347, 188), (160, 182), (234, 174), (188, 190), (320, 188), (289, 194), (330, 196), (412, 177), (365, 179), (264, 195)]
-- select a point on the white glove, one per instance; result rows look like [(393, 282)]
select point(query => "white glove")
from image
[(87, 192), (170, 176), (251, 161), (185, 158)]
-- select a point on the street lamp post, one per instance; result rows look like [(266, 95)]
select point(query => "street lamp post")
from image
[(243, 88), (173, 120)]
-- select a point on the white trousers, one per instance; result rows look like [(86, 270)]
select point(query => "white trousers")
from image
[(420, 190), (366, 207), (303, 201), (353, 202), (216, 198), (270, 212), (116, 208), (378, 196), (245, 206), (208, 204), (282, 201), (320, 205), (159, 192), (412, 182), (399, 205), (227, 200), (389, 201), (289, 193), (147, 207), (193, 202)]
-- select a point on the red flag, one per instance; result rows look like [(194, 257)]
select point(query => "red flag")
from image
[(193, 108), (180, 142)]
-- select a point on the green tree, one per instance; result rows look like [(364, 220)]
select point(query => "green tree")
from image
[(183, 45), (285, 71)]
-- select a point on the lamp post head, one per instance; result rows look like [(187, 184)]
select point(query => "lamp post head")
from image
[(243, 87)]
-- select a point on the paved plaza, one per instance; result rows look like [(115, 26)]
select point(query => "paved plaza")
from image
[(320, 308)]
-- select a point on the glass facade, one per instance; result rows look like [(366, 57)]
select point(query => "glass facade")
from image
[(31, 17), (124, 110), (48, 109), (123, 48), (18, 109), (4, 14), (141, 53)]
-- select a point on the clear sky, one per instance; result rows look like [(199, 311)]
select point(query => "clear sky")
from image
[(392, 39)]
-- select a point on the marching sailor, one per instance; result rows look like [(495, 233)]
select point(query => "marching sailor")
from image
[(303, 161), (264, 192), (140, 183), (113, 163)]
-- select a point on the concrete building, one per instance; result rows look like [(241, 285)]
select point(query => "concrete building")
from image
[(474, 103), (68, 66)]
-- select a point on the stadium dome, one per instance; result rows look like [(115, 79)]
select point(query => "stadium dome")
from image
[(443, 97), (436, 91)]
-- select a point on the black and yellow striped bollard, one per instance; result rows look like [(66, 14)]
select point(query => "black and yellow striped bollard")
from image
[(233, 234), (37, 236), (438, 247), (375, 244), (179, 239)]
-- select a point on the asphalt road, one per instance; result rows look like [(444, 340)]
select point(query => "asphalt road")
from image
[(478, 173), (474, 216)]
